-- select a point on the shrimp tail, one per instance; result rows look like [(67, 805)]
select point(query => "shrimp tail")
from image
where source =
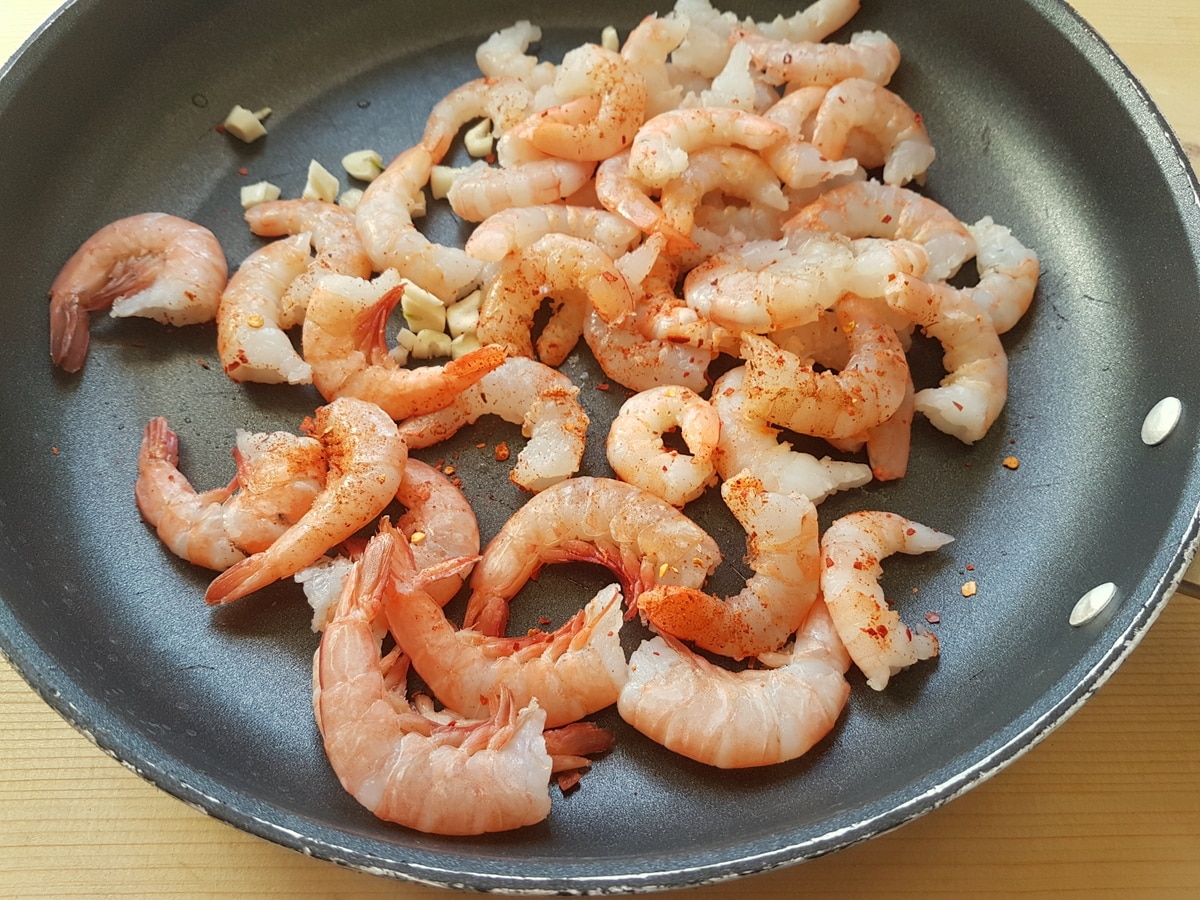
[(237, 581), (68, 332), (372, 330)]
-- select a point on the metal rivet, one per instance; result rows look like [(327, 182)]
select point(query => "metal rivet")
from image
[(1161, 420), (1092, 603)]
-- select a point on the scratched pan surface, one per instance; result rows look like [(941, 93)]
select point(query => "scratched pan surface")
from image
[(1036, 124)]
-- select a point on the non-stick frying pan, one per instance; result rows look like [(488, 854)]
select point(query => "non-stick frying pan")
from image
[(111, 112)]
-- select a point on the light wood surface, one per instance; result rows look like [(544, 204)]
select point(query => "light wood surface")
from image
[(1107, 806)]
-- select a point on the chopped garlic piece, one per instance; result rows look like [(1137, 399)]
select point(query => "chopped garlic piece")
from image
[(322, 184), (400, 355), (463, 344), (350, 198), (609, 39), (422, 310), (463, 316), (406, 339), (440, 180), (431, 344), (365, 165), (244, 124), (260, 192), (478, 139)]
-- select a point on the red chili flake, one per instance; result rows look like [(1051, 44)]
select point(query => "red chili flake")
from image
[(886, 219), (543, 620), (502, 452), (457, 482), (480, 445), (219, 128), (1010, 462), (54, 450), (1012, 440), (910, 531), (603, 386), (957, 405), (243, 171), (203, 363), (828, 562), (967, 464), (490, 158), (858, 565), (933, 618), (970, 567), (882, 631)]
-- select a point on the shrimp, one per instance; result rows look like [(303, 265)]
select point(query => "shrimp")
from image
[(730, 170), (857, 105), (444, 779), (1008, 274), (334, 234), (640, 363), (505, 101), (870, 55), (344, 342), (153, 265), (278, 477), (865, 393), (385, 226), (889, 442), (542, 400), (439, 524), (972, 395), (749, 442), (251, 342), (641, 539), (646, 49), (796, 161), (865, 209), (636, 451), (782, 548), (514, 229), (661, 147), (503, 55), (365, 456), (590, 70), (733, 720), (482, 190), (815, 22), (620, 194), (852, 547), (576, 274)]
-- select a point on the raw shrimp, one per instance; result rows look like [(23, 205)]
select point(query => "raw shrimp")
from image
[(1008, 274), (661, 147), (251, 342), (444, 779), (972, 395), (153, 265), (796, 161), (815, 22), (864, 209), (504, 101), (732, 171), (870, 55), (481, 190), (889, 442), (514, 229), (750, 442), (278, 477), (384, 221), (639, 363), (365, 456), (574, 273), (619, 193), (781, 547), (647, 49), (851, 549), (345, 343), (636, 451), (643, 540), (733, 720), (590, 70), (439, 524), (865, 393), (863, 107), (503, 54), (525, 392)]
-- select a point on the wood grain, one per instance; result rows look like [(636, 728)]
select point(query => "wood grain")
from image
[(1106, 806)]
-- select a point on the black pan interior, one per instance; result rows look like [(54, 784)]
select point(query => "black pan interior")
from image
[(1036, 125)]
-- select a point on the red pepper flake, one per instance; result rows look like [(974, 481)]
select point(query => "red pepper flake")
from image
[(968, 464), (480, 445), (1011, 462), (603, 386), (957, 405), (203, 362), (54, 450), (933, 618), (243, 171), (829, 562), (457, 482), (910, 531), (219, 128), (970, 567), (502, 452), (543, 620), (1012, 440), (858, 564)]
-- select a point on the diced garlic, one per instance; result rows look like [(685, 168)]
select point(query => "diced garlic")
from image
[(463, 344), (463, 316), (422, 310), (244, 124), (322, 184), (399, 354), (406, 339), (609, 39), (431, 344), (349, 199), (440, 180), (260, 192), (365, 165), (478, 139)]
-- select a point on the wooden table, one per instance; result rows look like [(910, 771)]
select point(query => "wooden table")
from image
[(1108, 805)]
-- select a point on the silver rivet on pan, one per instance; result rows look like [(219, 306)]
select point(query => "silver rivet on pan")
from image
[(1161, 420), (1092, 603)]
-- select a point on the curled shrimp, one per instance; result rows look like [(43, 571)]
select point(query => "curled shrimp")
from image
[(514, 229), (345, 343), (620, 194), (661, 147), (647, 49), (870, 55), (864, 209), (748, 441), (783, 551), (503, 100), (153, 265), (734, 720), (542, 400), (642, 539), (858, 106), (852, 547), (574, 273), (397, 762), (503, 54), (251, 342), (732, 171), (797, 162), (278, 477), (392, 241), (365, 456), (636, 451), (482, 190), (972, 395), (815, 22), (439, 524), (1008, 274)]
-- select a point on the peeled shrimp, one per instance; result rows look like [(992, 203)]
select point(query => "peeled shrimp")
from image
[(782, 550), (279, 475), (796, 161), (482, 190), (640, 363), (514, 229), (870, 55), (504, 100), (251, 342), (748, 441), (661, 147), (851, 549), (384, 221), (815, 22), (439, 524), (620, 194), (647, 49), (542, 400), (153, 265), (643, 540), (1008, 274), (636, 451), (365, 456), (345, 343), (503, 54), (732, 171), (733, 720)]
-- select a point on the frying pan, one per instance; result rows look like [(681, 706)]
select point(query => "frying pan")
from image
[(213, 706)]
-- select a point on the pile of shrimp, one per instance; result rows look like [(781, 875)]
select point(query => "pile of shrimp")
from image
[(711, 188)]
